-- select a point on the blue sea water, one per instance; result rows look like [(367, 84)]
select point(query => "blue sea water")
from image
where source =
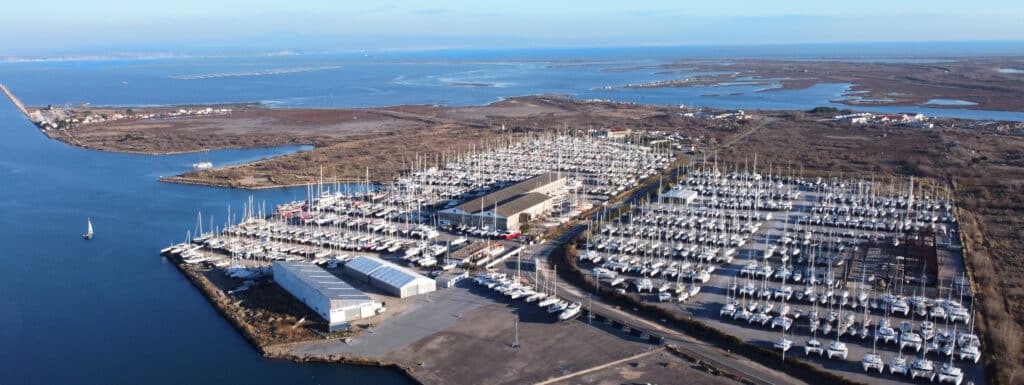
[(456, 78), (112, 311)]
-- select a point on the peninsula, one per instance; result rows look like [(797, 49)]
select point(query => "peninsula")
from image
[(966, 171)]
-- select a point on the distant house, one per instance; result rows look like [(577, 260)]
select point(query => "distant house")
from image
[(858, 118)]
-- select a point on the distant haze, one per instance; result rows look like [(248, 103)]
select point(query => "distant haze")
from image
[(65, 27)]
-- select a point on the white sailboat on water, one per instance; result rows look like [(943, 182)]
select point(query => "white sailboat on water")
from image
[(88, 231), (203, 163)]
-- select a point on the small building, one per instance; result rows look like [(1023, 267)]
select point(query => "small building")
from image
[(450, 278), (508, 208), (332, 299), (857, 118), (611, 133), (680, 195), (393, 279)]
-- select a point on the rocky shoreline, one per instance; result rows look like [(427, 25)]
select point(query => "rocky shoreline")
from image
[(225, 305)]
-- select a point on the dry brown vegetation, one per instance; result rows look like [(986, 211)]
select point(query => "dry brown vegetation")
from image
[(351, 143), (974, 79)]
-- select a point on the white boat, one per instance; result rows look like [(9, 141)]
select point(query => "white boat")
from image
[(547, 301), (535, 297), (88, 232), (784, 322), (813, 346), (924, 368), (783, 344), (911, 340), (692, 289), (202, 165), (728, 309), (898, 365), (558, 306), (837, 349), (970, 353), (951, 374), (570, 312), (872, 361), (884, 332)]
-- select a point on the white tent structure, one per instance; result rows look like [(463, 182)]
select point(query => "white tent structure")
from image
[(331, 298), (393, 279)]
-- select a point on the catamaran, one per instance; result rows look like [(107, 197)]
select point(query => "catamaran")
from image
[(873, 360), (837, 348), (924, 368), (949, 372)]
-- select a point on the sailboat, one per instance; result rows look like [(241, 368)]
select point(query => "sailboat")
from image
[(873, 360), (837, 348), (88, 232), (949, 372), (203, 164)]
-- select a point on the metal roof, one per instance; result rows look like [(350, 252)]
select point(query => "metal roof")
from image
[(385, 272), (395, 277), (521, 203), (364, 265), (679, 193), (508, 194), (339, 292)]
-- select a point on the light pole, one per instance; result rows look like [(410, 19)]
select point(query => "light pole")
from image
[(590, 308), (515, 341)]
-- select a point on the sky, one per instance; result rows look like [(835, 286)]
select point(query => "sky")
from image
[(66, 27)]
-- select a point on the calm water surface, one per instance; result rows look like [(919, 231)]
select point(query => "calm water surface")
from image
[(111, 310)]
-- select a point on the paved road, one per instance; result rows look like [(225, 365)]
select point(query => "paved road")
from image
[(706, 352), (702, 350)]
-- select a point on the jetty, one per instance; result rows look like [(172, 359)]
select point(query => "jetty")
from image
[(14, 99)]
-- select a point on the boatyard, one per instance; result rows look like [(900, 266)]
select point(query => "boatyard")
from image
[(855, 276), (359, 262)]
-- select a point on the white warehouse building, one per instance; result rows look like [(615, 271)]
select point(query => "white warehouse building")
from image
[(333, 299), (393, 279), (680, 194)]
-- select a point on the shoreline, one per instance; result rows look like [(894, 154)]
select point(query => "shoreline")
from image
[(171, 179), (265, 170), (222, 303)]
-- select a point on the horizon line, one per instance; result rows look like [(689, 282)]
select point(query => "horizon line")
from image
[(242, 51)]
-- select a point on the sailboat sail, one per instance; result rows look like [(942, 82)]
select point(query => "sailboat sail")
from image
[(88, 231)]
